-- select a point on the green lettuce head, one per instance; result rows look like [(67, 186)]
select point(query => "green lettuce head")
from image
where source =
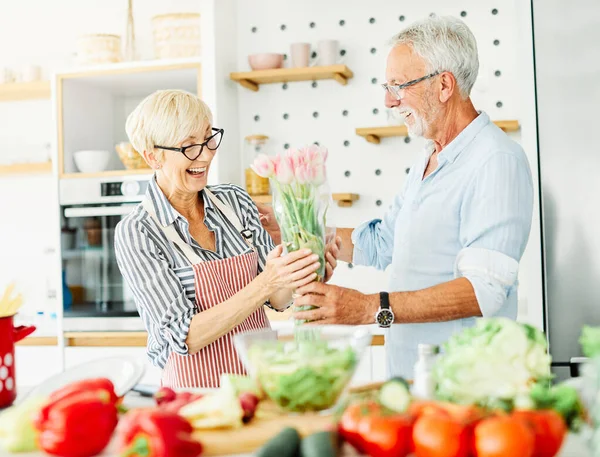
[(495, 361)]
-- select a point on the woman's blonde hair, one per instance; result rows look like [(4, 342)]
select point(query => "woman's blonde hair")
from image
[(166, 118)]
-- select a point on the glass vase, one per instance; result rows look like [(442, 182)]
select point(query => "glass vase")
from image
[(301, 212)]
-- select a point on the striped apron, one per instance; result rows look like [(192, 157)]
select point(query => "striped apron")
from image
[(215, 281)]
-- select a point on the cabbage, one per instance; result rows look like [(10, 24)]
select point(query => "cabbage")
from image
[(17, 433), (492, 363)]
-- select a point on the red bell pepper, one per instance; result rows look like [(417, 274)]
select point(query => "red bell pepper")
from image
[(156, 433), (86, 385), (77, 425)]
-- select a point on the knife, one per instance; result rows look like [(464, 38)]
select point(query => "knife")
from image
[(145, 390)]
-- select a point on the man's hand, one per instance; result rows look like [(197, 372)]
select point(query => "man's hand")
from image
[(269, 223), (332, 251), (335, 305)]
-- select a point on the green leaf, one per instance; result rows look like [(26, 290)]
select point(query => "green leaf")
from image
[(590, 341)]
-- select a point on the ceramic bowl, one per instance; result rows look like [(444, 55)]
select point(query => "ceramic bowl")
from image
[(92, 161), (265, 61)]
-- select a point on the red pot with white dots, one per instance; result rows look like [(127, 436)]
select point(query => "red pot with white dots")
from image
[(9, 335)]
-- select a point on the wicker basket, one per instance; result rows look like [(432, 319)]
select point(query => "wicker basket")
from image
[(98, 49), (176, 35), (130, 157)]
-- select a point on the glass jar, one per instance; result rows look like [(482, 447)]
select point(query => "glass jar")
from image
[(255, 145)]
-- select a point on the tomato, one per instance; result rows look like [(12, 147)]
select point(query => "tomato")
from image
[(461, 413), (549, 430), (386, 435), (349, 425), (438, 435), (503, 436)]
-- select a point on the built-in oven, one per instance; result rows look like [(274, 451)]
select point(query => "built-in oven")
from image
[(93, 286)]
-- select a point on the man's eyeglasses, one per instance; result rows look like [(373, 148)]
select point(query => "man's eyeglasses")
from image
[(193, 151), (395, 89)]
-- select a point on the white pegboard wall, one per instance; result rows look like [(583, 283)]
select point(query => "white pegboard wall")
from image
[(298, 113)]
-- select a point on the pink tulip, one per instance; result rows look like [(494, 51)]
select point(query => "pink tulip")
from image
[(263, 166), (285, 173), (312, 153), (319, 175), (302, 174), (293, 156), (324, 153), (316, 154), (276, 161)]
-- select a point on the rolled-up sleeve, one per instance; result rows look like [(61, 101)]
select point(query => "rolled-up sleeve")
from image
[(159, 295), (374, 240), (496, 219)]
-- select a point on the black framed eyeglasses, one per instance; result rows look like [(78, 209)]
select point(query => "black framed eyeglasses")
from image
[(395, 89), (193, 151)]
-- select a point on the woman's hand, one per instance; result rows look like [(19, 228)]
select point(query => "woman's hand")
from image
[(332, 252), (290, 271), (268, 221)]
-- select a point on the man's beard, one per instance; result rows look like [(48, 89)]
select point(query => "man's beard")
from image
[(418, 124)]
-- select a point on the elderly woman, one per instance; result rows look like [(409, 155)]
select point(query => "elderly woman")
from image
[(197, 259)]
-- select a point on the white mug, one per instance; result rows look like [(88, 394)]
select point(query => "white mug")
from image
[(300, 53), (31, 73), (328, 52)]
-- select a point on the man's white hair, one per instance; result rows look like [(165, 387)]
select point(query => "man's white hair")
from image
[(166, 118), (446, 44)]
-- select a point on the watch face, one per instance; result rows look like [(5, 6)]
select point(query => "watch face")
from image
[(385, 318)]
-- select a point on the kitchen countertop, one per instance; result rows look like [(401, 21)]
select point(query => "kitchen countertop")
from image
[(573, 447), (120, 338)]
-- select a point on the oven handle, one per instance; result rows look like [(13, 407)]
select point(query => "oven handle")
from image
[(90, 211)]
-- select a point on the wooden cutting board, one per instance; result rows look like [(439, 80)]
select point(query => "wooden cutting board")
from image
[(267, 423)]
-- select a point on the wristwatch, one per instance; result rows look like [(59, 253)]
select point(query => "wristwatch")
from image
[(385, 316)]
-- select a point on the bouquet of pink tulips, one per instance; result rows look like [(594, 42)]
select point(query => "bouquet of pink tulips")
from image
[(300, 198)]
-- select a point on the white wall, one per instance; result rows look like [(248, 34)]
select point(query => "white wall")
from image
[(28, 211)]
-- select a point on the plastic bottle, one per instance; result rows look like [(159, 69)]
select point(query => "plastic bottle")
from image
[(423, 382)]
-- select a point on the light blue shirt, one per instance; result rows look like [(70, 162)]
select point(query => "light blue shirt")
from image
[(470, 218)]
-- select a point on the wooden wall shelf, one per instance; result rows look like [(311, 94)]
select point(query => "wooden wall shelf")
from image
[(110, 173), (344, 199), (137, 66), (375, 134), (253, 79), (26, 168), (38, 90)]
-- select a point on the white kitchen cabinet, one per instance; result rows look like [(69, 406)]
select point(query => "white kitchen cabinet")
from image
[(33, 364), (77, 355), (93, 105)]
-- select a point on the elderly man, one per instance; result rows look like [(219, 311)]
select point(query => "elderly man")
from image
[(455, 233)]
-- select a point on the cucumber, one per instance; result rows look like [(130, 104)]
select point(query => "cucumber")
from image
[(395, 395), (285, 444), (320, 444)]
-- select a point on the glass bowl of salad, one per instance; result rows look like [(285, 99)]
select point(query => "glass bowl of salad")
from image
[(304, 369)]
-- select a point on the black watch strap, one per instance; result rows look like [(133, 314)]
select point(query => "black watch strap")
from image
[(384, 300)]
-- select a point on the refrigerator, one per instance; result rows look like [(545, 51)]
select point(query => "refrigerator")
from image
[(567, 78)]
